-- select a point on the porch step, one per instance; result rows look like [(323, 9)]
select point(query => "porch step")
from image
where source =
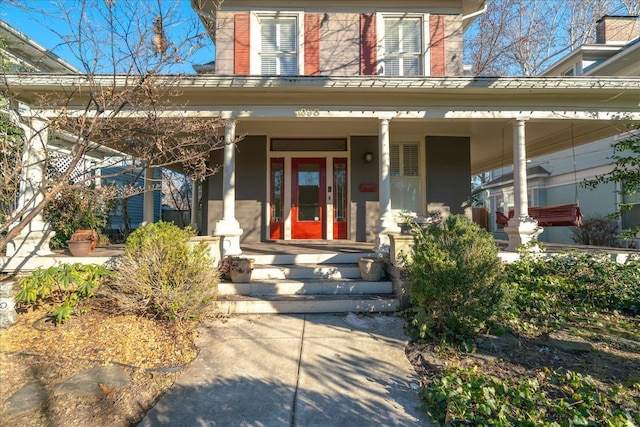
[(238, 304), (307, 287), (308, 258), (305, 271), (306, 283)]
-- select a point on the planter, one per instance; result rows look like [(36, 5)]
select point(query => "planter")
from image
[(213, 242), (240, 269), (90, 235), (80, 247), (8, 315), (371, 268)]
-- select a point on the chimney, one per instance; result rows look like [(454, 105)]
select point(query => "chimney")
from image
[(617, 29)]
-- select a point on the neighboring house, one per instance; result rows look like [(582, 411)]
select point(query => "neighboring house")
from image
[(555, 179), (129, 212), (20, 54)]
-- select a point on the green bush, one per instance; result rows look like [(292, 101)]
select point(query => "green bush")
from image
[(64, 286), (455, 279), (162, 276), (543, 289), (78, 208)]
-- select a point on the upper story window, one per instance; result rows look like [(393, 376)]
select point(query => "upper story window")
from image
[(279, 53), (403, 46)]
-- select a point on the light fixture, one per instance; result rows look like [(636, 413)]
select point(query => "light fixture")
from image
[(368, 157)]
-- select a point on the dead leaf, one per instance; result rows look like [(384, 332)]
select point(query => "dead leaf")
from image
[(106, 390)]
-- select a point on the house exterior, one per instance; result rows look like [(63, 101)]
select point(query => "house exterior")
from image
[(320, 180), (347, 168), (354, 115), (554, 179)]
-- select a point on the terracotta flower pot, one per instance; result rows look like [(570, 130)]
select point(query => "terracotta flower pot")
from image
[(80, 247), (90, 235)]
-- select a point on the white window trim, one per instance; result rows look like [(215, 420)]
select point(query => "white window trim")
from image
[(255, 67), (399, 214), (380, 17)]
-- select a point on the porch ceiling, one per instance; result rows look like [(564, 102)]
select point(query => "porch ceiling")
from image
[(560, 111)]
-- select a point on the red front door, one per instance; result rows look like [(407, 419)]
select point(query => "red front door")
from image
[(308, 198)]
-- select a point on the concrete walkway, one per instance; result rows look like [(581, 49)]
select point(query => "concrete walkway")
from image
[(296, 370)]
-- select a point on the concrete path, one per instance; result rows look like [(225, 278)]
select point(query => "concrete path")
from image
[(296, 370)]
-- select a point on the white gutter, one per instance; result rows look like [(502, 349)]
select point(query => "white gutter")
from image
[(476, 13), (630, 49), (205, 17), (31, 47)]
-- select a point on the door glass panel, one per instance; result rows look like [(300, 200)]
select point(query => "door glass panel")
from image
[(308, 192), (340, 192), (277, 187)]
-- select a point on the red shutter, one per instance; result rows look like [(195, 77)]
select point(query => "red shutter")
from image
[(436, 26), (241, 37), (311, 44), (368, 55)]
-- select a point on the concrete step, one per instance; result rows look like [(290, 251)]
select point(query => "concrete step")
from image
[(305, 271), (317, 258), (239, 304), (305, 287)]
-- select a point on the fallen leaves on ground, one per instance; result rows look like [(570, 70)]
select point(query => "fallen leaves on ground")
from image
[(35, 350)]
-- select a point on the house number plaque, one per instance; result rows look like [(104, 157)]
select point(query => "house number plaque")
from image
[(307, 112)]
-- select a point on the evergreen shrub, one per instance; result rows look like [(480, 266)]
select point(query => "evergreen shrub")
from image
[(456, 280)]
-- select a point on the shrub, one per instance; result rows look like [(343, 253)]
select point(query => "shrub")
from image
[(596, 231), (162, 276), (544, 289), (75, 209), (455, 278), (63, 285)]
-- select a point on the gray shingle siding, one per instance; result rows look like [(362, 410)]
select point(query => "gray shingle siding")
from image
[(251, 189)]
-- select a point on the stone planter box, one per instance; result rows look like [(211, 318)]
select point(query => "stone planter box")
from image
[(215, 251), (401, 246), (240, 269), (371, 269), (8, 315)]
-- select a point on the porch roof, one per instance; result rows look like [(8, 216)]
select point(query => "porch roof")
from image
[(561, 111)]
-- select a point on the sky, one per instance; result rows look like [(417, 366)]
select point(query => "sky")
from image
[(38, 28)]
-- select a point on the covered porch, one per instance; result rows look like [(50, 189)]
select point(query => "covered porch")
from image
[(466, 125)]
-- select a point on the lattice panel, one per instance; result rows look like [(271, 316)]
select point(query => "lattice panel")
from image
[(60, 162)]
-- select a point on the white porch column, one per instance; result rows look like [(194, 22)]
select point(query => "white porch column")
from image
[(386, 223), (194, 204), (34, 238), (228, 227), (147, 201), (522, 229)]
